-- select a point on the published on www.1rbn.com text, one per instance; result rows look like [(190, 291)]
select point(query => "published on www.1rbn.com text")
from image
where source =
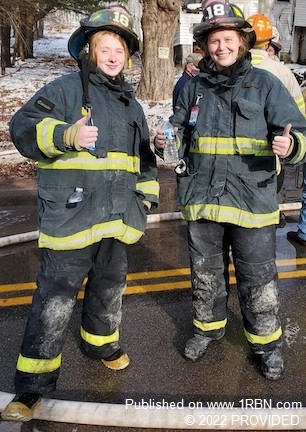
[(247, 413)]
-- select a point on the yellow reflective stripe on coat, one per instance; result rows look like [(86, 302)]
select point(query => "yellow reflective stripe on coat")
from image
[(85, 161), (204, 326), (301, 104), (30, 365), (236, 216), (257, 58), (263, 340), (44, 136), (232, 146), (97, 340), (80, 240), (150, 187)]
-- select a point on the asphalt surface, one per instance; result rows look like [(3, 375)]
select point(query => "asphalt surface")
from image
[(155, 325)]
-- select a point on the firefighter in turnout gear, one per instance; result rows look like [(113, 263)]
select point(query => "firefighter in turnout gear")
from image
[(231, 121), (260, 58), (96, 182)]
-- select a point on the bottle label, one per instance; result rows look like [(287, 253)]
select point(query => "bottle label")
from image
[(169, 134)]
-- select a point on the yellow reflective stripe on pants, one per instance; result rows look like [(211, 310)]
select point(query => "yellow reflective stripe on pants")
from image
[(216, 325), (263, 340), (30, 365), (97, 340)]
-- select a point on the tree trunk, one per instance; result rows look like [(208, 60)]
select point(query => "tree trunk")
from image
[(159, 24), (5, 48), (25, 34), (39, 29)]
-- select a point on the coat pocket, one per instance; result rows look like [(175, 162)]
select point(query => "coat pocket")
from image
[(185, 187), (246, 124)]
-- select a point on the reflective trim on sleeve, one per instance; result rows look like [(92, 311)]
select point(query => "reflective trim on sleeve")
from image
[(299, 156), (226, 214), (263, 340), (150, 187), (130, 236), (83, 160), (204, 326), (232, 146), (97, 340), (44, 136), (30, 365)]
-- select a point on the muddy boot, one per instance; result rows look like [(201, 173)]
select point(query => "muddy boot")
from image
[(22, 407), (117, 361), (196, 347), (272, 364)]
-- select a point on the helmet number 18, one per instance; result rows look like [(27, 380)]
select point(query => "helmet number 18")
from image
[(121, 18), (215, 10)]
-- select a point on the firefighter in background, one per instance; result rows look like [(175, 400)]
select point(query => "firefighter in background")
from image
[(190, 69), (232, 119), (96, 180), (273, 50), (274, 47), (261, 59)]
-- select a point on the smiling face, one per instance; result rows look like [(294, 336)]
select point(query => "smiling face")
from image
[(109, 52), (224, 47)]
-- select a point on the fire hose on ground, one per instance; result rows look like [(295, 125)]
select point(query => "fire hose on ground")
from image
[(152, 218), (178, 417)]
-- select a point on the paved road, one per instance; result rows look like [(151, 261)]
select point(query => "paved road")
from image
[(157, 318)]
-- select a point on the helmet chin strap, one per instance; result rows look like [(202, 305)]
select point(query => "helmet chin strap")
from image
[(84, 60)]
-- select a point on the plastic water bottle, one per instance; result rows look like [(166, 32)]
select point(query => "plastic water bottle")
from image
[(170, 150), (76, 197)]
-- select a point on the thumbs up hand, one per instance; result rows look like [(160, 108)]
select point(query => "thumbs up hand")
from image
[(282, 144), (86, 135), (81, 135)]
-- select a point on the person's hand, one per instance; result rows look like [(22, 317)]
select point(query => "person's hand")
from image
[(192, 69), (160, 141), (81, 135), (87, 135), (282, 144)]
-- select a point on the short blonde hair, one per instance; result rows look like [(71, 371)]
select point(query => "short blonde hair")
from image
[(95, 39)]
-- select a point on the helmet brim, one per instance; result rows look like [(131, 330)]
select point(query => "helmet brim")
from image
[(277, 46), (79, 38)]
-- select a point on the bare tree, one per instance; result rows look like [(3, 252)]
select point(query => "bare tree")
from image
[(159, 24), (5, 30), (23, 15)]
